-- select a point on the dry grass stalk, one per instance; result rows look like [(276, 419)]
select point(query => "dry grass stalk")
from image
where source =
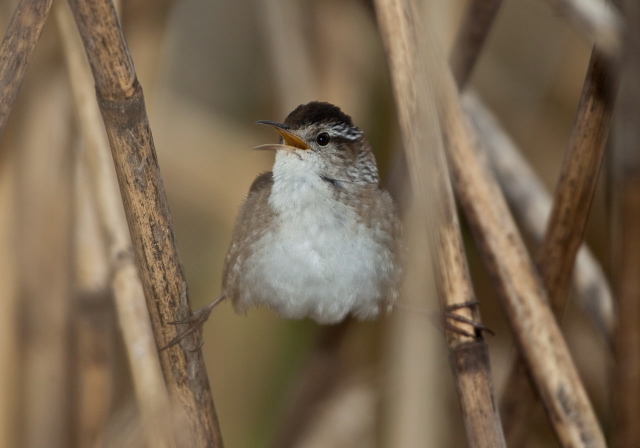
[(16, 51), (531, 205), (567, 222), (535, 329), (44, 211), (123, 110), (524, 299), (93, 325), (626, 241), (9, 334), (412, 395), (421, 136), (472, 34), (538, 335), (149, 386), (577, 182)]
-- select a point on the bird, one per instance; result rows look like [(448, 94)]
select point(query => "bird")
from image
[(316, 237)]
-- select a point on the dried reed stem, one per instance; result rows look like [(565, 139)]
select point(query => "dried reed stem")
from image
[(417, 113), (16, 51), (9, 304), (568, 219), (93, 324), (536, 332), (531, 205), (472, 34), (535, 329), (577, 182), (44, 210), (148, 381), (524, 300), (626, 239), (123, 110)]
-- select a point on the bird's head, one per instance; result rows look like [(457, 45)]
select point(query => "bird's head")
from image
[(325, 141)]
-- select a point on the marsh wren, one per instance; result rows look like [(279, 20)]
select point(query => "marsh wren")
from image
[(316, 237)]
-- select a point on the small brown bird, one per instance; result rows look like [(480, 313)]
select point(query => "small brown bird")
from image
[(316, 237)]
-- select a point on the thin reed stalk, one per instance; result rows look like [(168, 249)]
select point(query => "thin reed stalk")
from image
[(9, 303), (507, 260), (472, 34), (417, 112), (567, 222), (625, 180), (124, 282), (123, 110), (16, 51), (93, 325), (530, 203), (536, 332), (44, 208)]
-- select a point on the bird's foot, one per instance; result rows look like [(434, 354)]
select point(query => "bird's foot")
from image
[(194, 323), (478, 328)]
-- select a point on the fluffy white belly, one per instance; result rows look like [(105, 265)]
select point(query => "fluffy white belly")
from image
[(315, 265)]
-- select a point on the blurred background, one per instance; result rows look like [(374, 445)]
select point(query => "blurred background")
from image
[(209, 70)]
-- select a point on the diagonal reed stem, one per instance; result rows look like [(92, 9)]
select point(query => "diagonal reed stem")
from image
[(567, 222), (535, 329), (573, 198), (16, 51), (625, 187), (531, 205), (523, 297), (148, 380), (417, 113), (123, 110), (472, 34)]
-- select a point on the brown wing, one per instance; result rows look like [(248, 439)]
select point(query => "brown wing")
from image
[(378, 210), (387, 209), (254, 220)]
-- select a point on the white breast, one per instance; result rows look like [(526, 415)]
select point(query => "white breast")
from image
[(318, 262)]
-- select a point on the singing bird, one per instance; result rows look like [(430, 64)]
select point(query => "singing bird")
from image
[(316, 237)]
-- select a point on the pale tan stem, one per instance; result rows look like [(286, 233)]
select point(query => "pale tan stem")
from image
[(417, 113), (44, 211), (531, 205), (16, 51), (538, 336), (625, 189), (133, 317), (568, 218), (472, 34), (505, 254), (123, 111)]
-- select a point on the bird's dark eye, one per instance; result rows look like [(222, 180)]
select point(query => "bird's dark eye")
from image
[(323, 139)]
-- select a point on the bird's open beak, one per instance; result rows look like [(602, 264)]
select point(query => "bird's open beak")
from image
[(290, 139)]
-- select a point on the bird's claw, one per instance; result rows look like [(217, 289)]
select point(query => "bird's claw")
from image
[(195, 322), (479, 329), (198, 317)]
